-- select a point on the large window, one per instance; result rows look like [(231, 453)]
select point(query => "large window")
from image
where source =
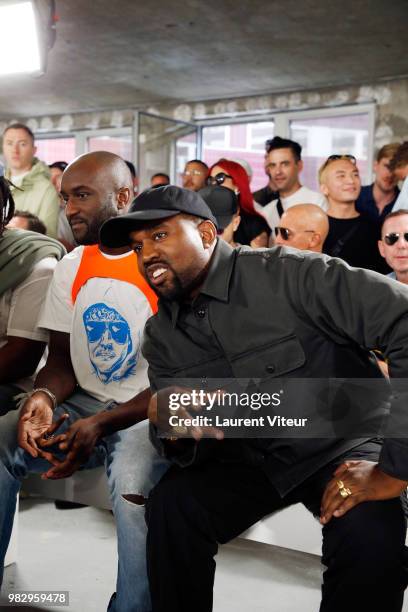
[(120, 144), (50, 150), (186, 149), (239, 141), (324, 136), (165, 144)]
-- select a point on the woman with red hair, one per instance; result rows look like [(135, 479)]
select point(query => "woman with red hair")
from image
[(253, 229)]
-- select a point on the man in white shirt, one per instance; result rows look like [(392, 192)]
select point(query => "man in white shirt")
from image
[(284, 165), (96, 309), (399, 164)]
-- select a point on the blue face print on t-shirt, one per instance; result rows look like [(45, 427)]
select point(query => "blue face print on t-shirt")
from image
[(109, 343)]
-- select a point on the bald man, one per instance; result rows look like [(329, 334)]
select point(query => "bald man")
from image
[(304, 227), (95, 310)]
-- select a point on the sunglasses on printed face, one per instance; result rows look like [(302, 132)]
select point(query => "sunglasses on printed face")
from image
[(393, 238), (218, 179), (286, 233)]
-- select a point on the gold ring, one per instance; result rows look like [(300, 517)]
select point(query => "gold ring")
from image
[(344, 491), (180, 429)]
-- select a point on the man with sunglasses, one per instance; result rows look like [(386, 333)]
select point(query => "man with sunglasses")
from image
[(304, 227), (393, 245)]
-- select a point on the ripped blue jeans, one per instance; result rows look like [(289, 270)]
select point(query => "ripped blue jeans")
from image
[(132, 466)]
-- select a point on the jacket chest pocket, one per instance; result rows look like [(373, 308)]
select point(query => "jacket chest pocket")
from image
[(270, 360)]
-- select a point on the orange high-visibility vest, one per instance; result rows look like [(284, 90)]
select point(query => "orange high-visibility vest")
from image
[(95, 265)]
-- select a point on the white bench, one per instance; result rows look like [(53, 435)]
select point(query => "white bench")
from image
[(293, 527)]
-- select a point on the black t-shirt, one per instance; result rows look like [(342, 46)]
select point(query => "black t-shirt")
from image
[(265, 195), (355, 241), (250, 227)]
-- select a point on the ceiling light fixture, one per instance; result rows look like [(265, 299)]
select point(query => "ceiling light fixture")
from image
[(25, 39)]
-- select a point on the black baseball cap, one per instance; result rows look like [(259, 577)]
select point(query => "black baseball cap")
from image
[(61, 165), (153, 204), (222, 202)]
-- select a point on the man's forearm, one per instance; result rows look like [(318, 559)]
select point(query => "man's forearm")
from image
[(19, 358), (60, 381), (124, 415)]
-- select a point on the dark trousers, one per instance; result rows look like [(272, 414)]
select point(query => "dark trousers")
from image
[(194, 509)]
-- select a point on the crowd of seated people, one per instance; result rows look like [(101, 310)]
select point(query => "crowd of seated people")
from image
[(71, 325)]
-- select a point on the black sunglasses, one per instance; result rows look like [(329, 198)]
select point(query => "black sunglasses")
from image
[(393, 237), (218, 179), (286, 233), (333, 158)]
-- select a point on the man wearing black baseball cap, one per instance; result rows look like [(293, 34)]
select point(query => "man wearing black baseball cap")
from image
[(224, 206), (153, 205), (266, 314)]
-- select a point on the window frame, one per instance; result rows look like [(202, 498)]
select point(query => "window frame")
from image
[(281, 119)]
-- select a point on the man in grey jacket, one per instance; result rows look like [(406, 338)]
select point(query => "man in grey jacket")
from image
[(272, 314)]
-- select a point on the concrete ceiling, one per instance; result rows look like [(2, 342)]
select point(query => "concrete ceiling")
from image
[(132, 53)]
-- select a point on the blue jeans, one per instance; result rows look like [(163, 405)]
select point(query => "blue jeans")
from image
[(132, 466)]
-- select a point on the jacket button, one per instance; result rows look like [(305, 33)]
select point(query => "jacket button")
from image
[(270, 368), (201, 313)]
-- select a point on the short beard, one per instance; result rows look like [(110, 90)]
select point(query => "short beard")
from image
[(174, 293), (179, 292), (107, 211)]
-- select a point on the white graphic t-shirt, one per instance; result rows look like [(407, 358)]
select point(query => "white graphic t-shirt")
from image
[(105, 325)]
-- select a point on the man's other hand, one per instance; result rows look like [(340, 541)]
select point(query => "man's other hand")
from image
[(78, 442), (159, 413), (365, 482)]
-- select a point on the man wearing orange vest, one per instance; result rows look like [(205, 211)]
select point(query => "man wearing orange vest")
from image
[(96, 309)]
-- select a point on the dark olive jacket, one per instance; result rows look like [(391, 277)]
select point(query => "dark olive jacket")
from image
[(285, 313)]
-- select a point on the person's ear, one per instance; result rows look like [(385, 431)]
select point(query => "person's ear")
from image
[(124, 197), (236, 222), (324, 189), (381, 248), (315, 240), (208, 233), (300, 166)]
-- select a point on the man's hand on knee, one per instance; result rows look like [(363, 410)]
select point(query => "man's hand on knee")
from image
[(78, 442), (354, 482)]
